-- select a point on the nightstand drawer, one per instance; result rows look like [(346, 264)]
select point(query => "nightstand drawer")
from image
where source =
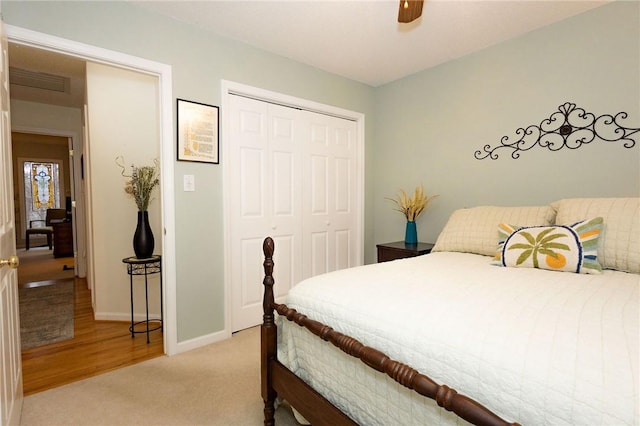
[(400, 250)]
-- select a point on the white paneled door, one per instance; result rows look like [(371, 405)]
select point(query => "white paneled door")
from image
[(329, 207), (293, 177), (11, 363), (265, 200)]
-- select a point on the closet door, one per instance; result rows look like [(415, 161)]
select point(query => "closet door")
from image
[(293, 176), (330, 196), (265, 200)]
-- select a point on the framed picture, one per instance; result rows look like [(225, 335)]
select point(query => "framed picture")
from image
[(198, 132)]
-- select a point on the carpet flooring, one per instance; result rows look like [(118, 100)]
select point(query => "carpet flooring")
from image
[(218, 384), (46, 312)]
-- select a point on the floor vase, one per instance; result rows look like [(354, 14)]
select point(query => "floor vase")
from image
[(143, 242)]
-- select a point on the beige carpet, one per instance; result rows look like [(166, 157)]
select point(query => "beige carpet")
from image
[(46, 313), (218, 384)]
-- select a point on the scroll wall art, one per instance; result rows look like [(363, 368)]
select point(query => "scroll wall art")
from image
[(570, 127)]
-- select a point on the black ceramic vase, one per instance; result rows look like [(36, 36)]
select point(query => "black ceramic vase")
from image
[(143, 242)]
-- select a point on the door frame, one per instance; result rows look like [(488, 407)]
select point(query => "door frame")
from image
[(163, 73), (230, 88)]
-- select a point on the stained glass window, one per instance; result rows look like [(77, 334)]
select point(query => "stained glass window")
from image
[(41, 188)]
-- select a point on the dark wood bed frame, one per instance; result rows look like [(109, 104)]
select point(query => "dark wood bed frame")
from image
[(278, 380)]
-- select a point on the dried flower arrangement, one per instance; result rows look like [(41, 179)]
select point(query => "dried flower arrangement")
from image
[(412, 206), (141, 182)]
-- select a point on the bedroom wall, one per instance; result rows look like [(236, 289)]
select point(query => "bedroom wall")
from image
[(423, 128), (199, 62), (429, 124)]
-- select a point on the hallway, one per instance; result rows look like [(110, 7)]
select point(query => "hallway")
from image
[(97, 346)]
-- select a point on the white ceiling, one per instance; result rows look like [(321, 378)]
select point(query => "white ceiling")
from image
[(357, 39), (361, 39)]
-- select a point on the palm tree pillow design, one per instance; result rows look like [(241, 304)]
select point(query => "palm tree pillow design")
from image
[(568, 248)]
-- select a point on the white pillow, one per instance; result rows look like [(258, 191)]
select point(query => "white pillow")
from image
[(474, 230), (619, 243)]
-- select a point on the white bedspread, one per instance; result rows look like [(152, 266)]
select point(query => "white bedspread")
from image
[(534, 346)]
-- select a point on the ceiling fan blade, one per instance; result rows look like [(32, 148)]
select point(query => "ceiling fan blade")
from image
[(410, 10)]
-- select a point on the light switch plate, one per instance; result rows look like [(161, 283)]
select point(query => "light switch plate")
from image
[(189, 182)]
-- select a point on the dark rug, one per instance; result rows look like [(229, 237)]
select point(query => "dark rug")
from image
[(46, 313)]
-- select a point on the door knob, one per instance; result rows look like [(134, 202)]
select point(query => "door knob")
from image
[(12, 261)]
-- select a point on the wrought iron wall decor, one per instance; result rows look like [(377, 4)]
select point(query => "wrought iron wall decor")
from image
[(570, 127)]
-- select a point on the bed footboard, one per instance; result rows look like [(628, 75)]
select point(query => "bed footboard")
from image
[(277, 379)]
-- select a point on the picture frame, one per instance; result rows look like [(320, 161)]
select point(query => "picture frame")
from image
[(198, 128)]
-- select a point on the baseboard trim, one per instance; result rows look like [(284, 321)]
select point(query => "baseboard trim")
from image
[(198, 342)]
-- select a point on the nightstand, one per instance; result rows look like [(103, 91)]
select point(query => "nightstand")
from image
[(400, 250)]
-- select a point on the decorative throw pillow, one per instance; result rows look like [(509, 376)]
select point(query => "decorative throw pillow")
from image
[(571, 248)]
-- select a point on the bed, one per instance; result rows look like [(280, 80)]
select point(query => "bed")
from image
[(476, 332)]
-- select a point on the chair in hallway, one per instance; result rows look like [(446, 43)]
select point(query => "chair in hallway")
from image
[(52, 216)]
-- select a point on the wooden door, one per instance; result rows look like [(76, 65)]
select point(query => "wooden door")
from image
[(10, 361)]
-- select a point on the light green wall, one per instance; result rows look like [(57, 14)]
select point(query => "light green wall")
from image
[(423, 128), (429, 124), (199, 62)]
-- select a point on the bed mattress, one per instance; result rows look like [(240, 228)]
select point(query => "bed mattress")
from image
[(533, 346)]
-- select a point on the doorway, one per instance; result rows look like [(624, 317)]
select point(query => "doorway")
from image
[(24, 37), (39, 162), (65, 48)]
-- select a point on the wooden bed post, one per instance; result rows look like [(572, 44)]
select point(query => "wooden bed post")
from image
[(268, 335)]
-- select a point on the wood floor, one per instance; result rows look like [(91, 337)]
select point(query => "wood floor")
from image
[(97, 347)]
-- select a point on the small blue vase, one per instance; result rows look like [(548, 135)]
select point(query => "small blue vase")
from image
[(411, 234)]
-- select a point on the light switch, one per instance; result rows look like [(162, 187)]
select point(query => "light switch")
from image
[(189, 183)]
